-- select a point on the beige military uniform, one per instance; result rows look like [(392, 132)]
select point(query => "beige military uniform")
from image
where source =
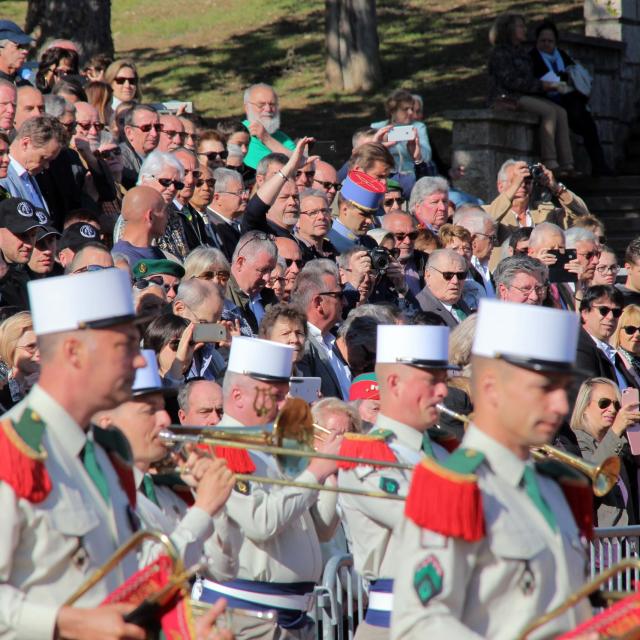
[(50, 548), (197, 536), (494, 587), (370, 521)]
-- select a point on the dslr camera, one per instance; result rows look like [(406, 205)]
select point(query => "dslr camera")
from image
[(381, 257), (536, 171)]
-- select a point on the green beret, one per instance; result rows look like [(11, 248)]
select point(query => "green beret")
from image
[(393, 185), (145, 268)]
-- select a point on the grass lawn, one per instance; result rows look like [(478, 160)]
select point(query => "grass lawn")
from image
[(208, 51)]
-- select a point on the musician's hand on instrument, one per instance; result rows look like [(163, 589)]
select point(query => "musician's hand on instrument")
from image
[(206, 624), (320, 468), (101, 623), (214, 486)]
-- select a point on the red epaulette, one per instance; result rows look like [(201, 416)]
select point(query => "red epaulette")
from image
[(446, 440), (238, 460), (22, 457), (445, 498), (372, 446)]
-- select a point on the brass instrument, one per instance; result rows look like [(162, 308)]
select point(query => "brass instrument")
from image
[(625, 625), (466, 420), (603, 476)]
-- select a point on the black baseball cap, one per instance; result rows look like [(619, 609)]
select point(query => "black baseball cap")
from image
[(77, 235), (11, 31), (20, 216)]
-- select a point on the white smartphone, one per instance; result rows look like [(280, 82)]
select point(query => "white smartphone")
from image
[(306, 388), (399, 134), (631, 396)]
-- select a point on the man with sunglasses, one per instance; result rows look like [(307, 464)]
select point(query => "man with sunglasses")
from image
[(166, 273), (172, 134), (326, 178), (14, 49), (393, 198), (142, 133), (442, 294), (289, 251)]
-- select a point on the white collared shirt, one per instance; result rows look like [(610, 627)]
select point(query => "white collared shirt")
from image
[(30, 185), (483, 270), (339, 368), (610, 352)]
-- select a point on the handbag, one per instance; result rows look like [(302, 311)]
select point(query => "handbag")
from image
[(579, 78)]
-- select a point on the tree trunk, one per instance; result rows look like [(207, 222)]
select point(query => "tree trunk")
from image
[(351, 35), (87, 22)]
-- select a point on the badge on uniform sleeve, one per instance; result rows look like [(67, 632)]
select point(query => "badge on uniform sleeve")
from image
[(427, 580), (243, 487), (389, 485)]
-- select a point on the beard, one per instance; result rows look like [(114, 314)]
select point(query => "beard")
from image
[(270, 123)]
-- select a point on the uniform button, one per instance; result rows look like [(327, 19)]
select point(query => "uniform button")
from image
[(35, 417), (470, 453)]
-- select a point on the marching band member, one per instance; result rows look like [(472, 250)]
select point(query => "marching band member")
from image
[(64, 493), (411, 369), (280, 559), (491, 540)]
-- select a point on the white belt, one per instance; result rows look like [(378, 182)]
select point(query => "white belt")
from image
[(296, 603), (380, 601)]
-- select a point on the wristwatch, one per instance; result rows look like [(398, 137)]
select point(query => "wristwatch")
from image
[(560, 189)]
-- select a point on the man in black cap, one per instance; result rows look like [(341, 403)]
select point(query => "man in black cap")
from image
[(14, 47), (74, 237), (19, 224)]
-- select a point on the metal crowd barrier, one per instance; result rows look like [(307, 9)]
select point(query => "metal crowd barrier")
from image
[(340, 600)]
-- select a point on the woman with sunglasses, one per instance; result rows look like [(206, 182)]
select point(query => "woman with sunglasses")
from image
[(599, 423), (55, 64), (212, 149), (626, 340), (122, 76)]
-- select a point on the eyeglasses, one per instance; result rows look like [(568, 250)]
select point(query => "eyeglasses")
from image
[(143, 283), (70, 126), (604, 311), (412, 235), (630, 329), (91, 267), (389, 202), (239, 194), (604, 403), (196, 173), (223, 276), (448, 275), (23, 47), (145, 128), (274, 281), (262, 105), (167, 182), (492, 238), (589, 255), (315, 212), (329, 185), (60, 73), (541, 290), (173, 134), (608, 268), (210, 182), (195, 138), (215, 155), (86, 126), (174, 344), (308, 174), (290, 261), (131, 81), (334, 294), (108, 153)]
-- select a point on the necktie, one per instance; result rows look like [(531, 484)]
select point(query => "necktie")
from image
[(427, 449), (533, 491), (458, 313), (90, 463), (149, 490)]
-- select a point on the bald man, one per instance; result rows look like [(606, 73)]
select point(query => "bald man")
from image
[(145, 217), (326, 178), (290, 252), (91, 255)]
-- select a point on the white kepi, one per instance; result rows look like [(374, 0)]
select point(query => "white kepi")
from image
[(536, 338), (261, 359), (422, 346), (148, 378), (90, 300)]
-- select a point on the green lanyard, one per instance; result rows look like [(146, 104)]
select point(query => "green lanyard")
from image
[(533, 491)]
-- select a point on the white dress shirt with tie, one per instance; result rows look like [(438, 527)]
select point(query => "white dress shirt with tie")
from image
[(327, 342)]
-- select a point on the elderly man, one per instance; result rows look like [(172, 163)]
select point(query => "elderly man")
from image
[(7, 105), (29, 104), (38, 141), (411, 371), (263, 122), (67, 512), (14, 49), (200, 403), (252, 262), (280, 553), (290, 252), (145, 218), (515, 550), (587, 249), (521, 279), (228, 205), (172, 135), (483, 239), (442, 294), (319, 294), (142, 132), (326, 178), (429, 202), (511, 208), (314, 225)]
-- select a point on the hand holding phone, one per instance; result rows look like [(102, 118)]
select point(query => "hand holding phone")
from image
[(628, 418), (210, 332), (557, 270), (400, 134)]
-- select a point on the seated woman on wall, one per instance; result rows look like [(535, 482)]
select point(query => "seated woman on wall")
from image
[(548, 59), (512, 82)]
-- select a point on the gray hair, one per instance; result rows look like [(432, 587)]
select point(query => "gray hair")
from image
[(408, 216), (509, 268), (194, 292), (253, 242), (224, 177), (461, 342), (418, 99), (259, 85), (202, 258), (425, 187), (473, 219), (506, 165), (373, 312), (154, 164), (435, 256), (342, 259), (268, 160), (578, 234), (541, 231), (309, 282), (321, 409), (106, 137), (313, 193), (57, 106)]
